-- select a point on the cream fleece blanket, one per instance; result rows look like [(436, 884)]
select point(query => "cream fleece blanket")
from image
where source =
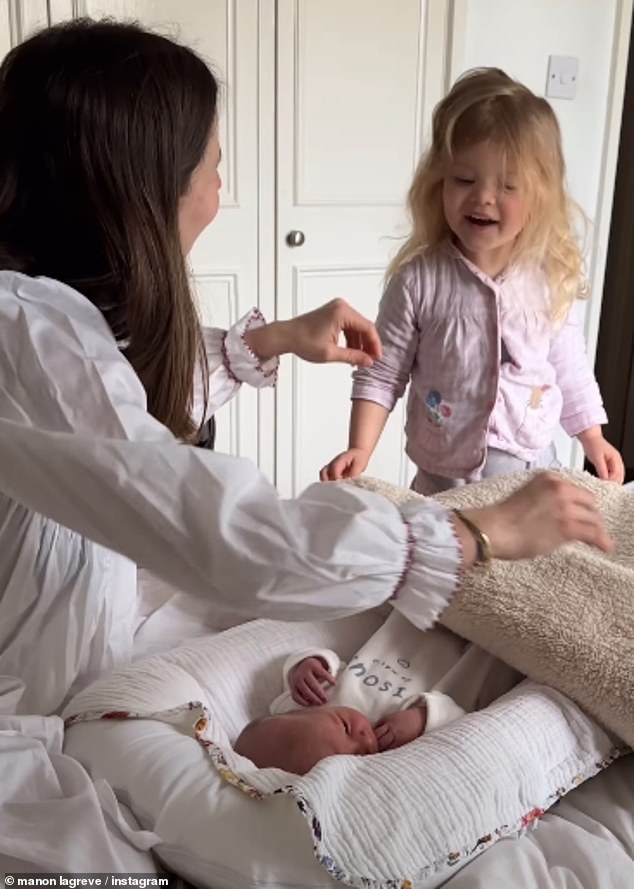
[(565, 620)]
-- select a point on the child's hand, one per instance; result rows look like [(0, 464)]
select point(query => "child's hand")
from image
[(307, 680), (400, 728), (349, 464), (604, 457)]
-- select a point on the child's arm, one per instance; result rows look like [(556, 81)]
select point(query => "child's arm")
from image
[(604, 457), (367, 421), (376, 389), (583, 413)]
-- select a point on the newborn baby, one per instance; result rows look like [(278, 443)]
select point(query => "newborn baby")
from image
[(391, 692)]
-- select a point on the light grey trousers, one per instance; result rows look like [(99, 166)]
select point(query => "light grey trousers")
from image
[(497, 463)]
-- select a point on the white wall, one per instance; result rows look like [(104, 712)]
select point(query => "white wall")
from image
[(519, 36), (18, 18)]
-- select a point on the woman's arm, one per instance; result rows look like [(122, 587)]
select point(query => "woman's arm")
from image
[(213, 526), (78, 446), (315, 336), (231, 362), (249, 351)]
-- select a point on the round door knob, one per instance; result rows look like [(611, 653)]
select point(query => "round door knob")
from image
[(295, 238)]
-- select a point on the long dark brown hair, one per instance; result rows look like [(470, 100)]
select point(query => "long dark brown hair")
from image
[(101, 127)]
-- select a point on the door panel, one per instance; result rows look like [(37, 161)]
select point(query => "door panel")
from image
[(321, 393), (18, 19), (356, 86)]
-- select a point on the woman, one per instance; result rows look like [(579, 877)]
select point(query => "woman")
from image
[(108, 163)]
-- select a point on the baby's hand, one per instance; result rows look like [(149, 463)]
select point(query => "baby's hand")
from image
[(307, 680), (400, 728)]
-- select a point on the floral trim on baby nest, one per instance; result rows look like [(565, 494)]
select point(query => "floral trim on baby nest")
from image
[(161, 715), (527, 821)]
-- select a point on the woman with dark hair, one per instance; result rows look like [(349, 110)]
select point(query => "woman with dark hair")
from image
[(108, 173)]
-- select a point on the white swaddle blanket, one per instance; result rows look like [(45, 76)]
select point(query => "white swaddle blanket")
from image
[(404, 818)]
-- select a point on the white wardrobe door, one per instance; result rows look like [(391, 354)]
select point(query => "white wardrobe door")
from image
[(356, 85), (18, 19)]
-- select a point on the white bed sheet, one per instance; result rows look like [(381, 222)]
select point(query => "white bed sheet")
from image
[(585, 842), (53, 817), (167, 617)]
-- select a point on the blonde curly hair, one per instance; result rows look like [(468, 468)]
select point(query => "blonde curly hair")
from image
[(486, 105)]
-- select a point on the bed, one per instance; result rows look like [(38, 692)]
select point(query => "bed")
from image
[(53, 817)]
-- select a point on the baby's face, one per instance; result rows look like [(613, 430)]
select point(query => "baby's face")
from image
[(326, 731), (298, 740)]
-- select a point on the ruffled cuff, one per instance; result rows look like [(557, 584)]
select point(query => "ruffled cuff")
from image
[(433, 566), (241, 363)]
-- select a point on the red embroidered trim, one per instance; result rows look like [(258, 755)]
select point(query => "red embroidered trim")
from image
[(225, 359), (461, 569), (409, 559), (256, 315)]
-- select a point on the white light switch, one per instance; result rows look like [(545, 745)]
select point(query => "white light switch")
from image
[(561, 81)]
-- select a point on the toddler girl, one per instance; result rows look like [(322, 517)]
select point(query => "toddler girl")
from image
[(479, 313)]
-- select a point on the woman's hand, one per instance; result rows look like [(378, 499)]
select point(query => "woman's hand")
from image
[(539, 518), (604, 457), (315, 336)]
